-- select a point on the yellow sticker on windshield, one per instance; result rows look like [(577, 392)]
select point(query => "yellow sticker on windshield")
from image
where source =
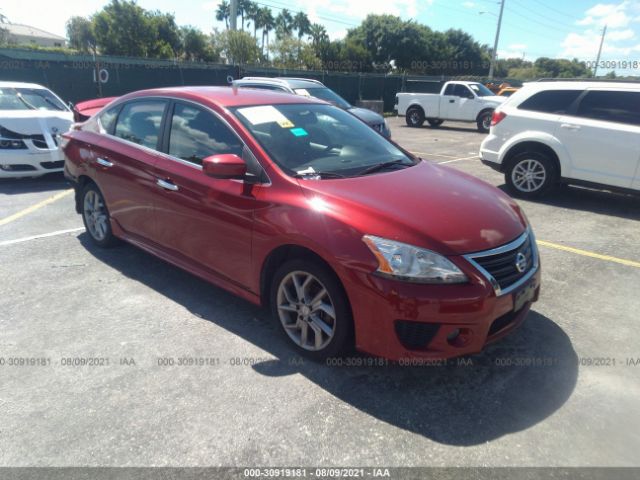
[(285, 123)]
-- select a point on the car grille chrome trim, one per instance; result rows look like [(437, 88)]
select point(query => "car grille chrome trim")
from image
[(502, 278)]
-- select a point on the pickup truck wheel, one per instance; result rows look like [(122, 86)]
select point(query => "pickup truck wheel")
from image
[(484, 121), (530, 174), (435, 123), (415, 117)]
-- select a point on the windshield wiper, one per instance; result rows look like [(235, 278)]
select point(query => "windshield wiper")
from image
[(319, 174), (382, 166), (29, 106)]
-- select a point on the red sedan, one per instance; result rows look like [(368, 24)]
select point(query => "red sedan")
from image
[(297, 205)]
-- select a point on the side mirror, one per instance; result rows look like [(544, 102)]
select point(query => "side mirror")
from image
[(227, 165)]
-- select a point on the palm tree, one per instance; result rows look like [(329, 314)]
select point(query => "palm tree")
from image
[(267, 23), (317, 34), (243, 8), (301, 23), (223, 13), (251, 11), (283, 23)]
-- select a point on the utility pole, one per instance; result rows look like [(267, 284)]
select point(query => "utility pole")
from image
[(233, 15), (604, 32), (495, 44)]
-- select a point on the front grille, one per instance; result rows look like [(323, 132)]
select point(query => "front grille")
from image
[(16, 167), (502, 322), (502, 266), (52, 165), (415, 335)]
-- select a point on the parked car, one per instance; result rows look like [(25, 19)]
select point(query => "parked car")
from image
[(460, 101), (585, 133), (293, 203), (84, 110), (31, 119), (313, 88)]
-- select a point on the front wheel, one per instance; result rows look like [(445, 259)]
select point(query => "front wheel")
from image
[(312, 308), (484, 122), (530, 174), (414, 117), (95, 217)]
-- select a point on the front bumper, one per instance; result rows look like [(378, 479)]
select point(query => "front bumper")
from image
[(398, 320), (27, 163)]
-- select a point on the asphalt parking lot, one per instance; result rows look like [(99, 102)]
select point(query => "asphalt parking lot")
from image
[(561, 391)]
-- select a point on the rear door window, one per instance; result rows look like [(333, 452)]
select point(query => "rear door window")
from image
[(139, 122), (611, 106), (551, 101)]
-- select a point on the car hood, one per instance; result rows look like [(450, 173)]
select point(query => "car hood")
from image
[(34, 122), (427, 205), (368, 116), (495, 99)]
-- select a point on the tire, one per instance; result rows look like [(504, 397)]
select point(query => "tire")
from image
[(435, 123), (484, 121), (329, 328), (95, 217), (414, 117), (531, 174)]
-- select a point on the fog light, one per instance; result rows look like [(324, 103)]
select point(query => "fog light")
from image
[(453, 335)]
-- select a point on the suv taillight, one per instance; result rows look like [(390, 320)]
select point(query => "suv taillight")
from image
[(497, 117)]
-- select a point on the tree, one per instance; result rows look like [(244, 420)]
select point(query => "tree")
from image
[(283, 24), (122, 28), (167, 42), (291, 52), (197, 46), (80, 34), (319, 41), (267, 23), (251, 11), (223, 12), (239, 47)]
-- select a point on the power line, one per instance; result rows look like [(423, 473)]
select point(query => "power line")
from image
[(529, 10), (556, 10)]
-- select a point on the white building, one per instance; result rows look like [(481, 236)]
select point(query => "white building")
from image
[(18, 34)]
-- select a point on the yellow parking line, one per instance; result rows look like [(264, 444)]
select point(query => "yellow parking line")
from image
[(35, 207), (586, 253)]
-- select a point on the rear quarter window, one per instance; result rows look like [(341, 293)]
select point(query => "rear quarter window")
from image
[(551, 101)]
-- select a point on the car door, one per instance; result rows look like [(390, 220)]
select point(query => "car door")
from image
[(602, 137), (124, 163), (461, 104), (209, 221)]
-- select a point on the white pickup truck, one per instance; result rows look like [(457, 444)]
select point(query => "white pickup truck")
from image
[(460, 101)]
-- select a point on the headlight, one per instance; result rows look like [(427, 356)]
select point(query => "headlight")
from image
[(409, 263), (11, 144)]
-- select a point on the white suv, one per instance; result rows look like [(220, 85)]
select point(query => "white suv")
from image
[(585, 133)]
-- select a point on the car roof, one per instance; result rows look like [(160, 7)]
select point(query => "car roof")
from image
[(580, 85), (225, 96), (20, 85)]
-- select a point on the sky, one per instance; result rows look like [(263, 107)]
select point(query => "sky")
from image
[(530, 29)]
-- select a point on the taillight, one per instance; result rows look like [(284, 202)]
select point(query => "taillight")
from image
[(497, 117)]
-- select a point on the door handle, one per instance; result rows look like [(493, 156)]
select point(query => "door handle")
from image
[(568, 126), (452, 101), (167, 185), (104, 162)]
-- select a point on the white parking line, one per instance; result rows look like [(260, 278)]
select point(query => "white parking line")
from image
[(458, 159), (42, 235)]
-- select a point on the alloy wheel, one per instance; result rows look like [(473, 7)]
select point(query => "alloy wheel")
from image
[(529, 175), (95, 215), (306, 310)]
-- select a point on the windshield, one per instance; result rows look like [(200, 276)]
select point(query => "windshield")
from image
[(324, 93), (29, 99), (308, 139), (480, 90)]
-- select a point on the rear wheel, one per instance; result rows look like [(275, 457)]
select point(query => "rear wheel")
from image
[(531, 174), (95, 217), (435, 123), (312, 309), (415, 117), (484, 121)]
